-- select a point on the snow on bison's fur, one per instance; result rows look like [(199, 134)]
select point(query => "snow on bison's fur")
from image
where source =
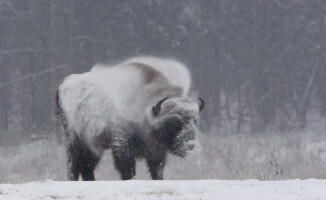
[(139, 108)]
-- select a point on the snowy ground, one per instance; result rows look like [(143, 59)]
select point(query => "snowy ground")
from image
[(311, 189), (275, 156)]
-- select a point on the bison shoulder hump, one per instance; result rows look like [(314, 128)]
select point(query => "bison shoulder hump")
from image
[(150, 73)]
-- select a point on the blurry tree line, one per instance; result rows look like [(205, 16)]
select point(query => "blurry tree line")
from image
[(257, 63)]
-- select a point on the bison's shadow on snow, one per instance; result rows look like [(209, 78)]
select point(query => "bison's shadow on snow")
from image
[(139, 108)]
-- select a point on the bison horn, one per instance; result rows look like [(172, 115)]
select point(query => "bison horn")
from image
[(202, 104), (157, 108)]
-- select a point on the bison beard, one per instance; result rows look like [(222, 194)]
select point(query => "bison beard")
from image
[(166, 124)]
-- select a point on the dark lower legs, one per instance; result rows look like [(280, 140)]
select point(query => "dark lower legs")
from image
[(126, 166), (82, 160), (126, 149)]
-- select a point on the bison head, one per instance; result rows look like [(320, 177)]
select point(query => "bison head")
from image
[(175, 123)]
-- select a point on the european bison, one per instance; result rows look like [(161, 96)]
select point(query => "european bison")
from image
[(139, 108)]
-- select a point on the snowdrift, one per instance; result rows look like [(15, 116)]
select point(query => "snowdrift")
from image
[(143, 190)]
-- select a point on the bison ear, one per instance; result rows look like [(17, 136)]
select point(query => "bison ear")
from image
[(202, 104), (157, 108)]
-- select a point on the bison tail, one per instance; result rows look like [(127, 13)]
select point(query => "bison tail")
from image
[(57, 110)]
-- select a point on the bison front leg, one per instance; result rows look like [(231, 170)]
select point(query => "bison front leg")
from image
[(156, 166), (125, 164)]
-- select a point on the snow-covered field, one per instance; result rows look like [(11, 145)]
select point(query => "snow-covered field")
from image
[(233, 158), (274, 156), (311, 189)]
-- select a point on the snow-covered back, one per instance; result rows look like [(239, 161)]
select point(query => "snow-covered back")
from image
[(176, 72), (106, 94), (176, 190)]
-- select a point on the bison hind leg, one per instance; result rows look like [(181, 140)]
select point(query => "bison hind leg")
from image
[(73, 155), (82, 160), (88, 162)]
